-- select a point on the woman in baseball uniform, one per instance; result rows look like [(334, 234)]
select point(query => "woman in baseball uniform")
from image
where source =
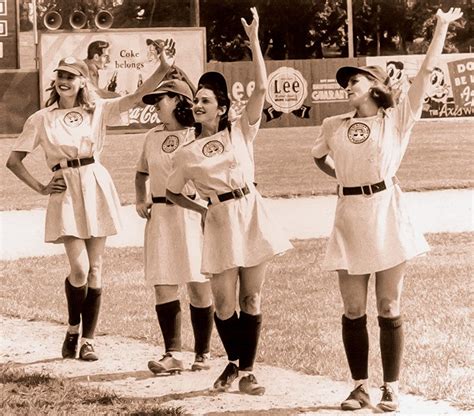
[(239, 236), (373, 232), (173, 235), (83, 207)]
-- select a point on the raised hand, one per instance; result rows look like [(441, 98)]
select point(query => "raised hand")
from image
[(168, 52), (251, 29), (454, 13)]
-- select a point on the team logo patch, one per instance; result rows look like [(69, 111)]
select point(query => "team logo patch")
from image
[(358, 133), (170, 144), (212, 148), (73, 119)]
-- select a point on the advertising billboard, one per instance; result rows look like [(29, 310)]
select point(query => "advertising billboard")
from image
[(132, 57)]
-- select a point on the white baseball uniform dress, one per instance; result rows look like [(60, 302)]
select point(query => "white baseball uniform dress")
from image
[(89, 207), (238, 232), (370, 233), (173, 235)]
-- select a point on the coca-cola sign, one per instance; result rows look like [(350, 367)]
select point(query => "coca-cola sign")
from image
[(144, 116)]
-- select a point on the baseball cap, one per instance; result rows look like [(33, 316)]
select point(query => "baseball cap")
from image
[(343, 74), (175, 86), (74, 66), (215, 79), (158, 43)]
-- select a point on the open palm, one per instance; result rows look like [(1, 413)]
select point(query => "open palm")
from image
[(454, 13), (251, 29), (168, 52)]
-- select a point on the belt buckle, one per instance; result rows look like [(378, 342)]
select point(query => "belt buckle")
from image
[(237, 193), (370, 191)]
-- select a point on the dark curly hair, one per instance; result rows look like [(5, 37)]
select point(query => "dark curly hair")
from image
[(222, 101), (183, 111), (382, 93)]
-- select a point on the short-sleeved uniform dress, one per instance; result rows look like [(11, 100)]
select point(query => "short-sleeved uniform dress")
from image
[(89, 207), (238, 232), (370, 233), (173, 235)]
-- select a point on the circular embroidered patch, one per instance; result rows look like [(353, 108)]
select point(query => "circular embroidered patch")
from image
[(73, 119), (170, 144), (212, 148), (358, 133)]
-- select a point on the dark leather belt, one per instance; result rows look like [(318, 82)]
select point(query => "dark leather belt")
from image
[(366, 189), (164, 200), (234, 194), (75, 163)]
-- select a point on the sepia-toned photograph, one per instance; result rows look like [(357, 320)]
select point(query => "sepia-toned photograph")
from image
[(239, 207)]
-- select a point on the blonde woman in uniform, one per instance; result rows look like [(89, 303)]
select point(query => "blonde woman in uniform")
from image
[(239, 236), (83, 207), (373, 232), (173, 235)]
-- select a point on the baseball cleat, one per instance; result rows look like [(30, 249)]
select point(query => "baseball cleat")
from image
[(201, 362), (225, 380), (87, 352), (69, 349), (166, 365), (389, 400), (249, 385), (358, 399)]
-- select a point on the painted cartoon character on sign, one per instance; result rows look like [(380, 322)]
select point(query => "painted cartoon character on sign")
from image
[(438, 90), (399, 79)]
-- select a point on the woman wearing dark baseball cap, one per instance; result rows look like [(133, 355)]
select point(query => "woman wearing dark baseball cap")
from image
[(173, 235), (239, 235), (84, 207), (373, 232)]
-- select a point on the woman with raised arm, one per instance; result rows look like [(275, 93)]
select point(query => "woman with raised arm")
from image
[(83, 207), (373, 232), (173, 235), (239, 236)]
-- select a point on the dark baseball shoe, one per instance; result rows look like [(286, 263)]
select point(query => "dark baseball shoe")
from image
[(389, 400), (358, 399), (69, 349), (249, 385), (201, 362), (167, 364), (224, 381), (87, 352)]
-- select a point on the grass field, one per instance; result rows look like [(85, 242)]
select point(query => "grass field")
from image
[(41, 395), (302, 312), (439, 157)]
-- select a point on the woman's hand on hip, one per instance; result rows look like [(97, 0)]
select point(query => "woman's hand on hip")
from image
[(55, 186), (144, 209)]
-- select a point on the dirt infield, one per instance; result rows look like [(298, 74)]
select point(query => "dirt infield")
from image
[(122, 369)]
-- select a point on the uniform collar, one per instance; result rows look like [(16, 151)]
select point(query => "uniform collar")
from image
[(54, 106)]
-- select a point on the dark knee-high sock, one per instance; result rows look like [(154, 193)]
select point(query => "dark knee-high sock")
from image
[(391, 346), (250, 327), (229, 333), (75, 297), (201, 319), (169, 318), (356, 345), (90, 311)]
